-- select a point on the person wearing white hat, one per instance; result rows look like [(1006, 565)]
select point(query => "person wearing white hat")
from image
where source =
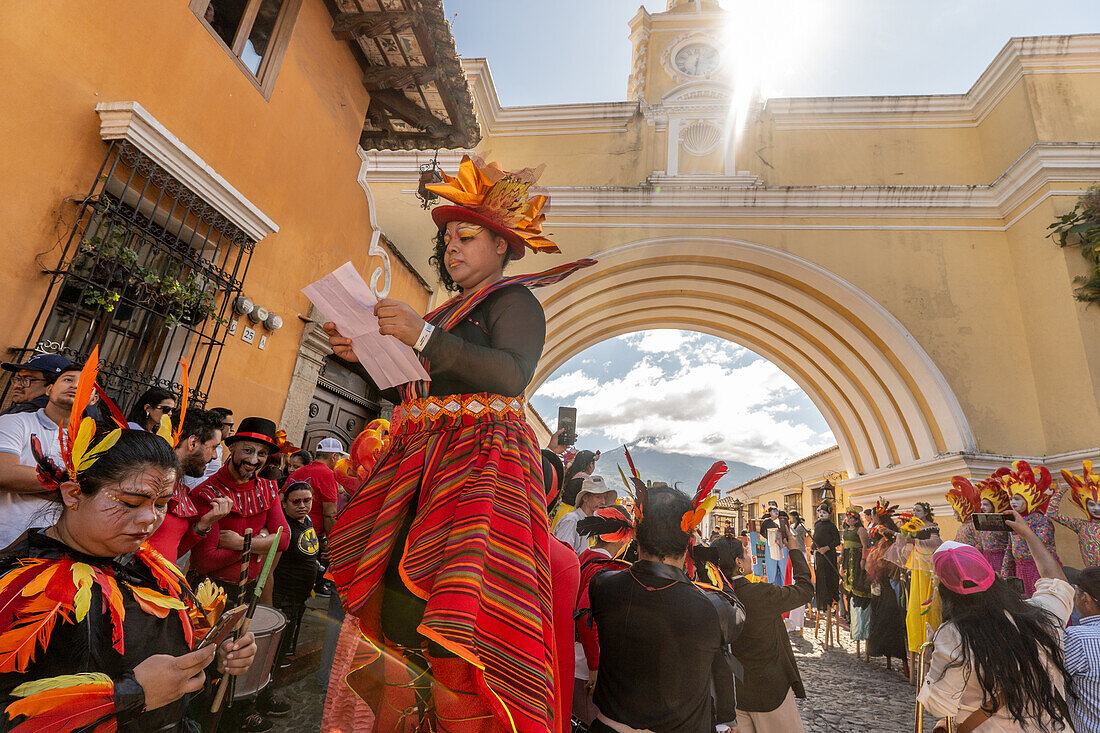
[(594, 493)]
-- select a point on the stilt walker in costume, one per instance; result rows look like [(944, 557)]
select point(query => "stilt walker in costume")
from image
[(994, 500), (854, 541), (826, 539), (964, 500), (98, 629), (1084, 492), (924, 604), (1030, 495), (886, 635), (443, 553)]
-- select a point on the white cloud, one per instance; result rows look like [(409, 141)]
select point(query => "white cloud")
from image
[(721, 401), (568, 385)]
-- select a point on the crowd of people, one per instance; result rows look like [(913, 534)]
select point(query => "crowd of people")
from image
[(482, 583)]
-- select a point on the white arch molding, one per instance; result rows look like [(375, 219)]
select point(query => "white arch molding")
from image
[(886, 402)]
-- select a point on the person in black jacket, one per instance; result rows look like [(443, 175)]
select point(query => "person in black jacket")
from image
[(826, 540), (663, 639), (766, 693)]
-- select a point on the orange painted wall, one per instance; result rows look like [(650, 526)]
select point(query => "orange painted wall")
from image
[(293, 156)]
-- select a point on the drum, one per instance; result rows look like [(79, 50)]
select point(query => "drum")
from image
[(268, 625)]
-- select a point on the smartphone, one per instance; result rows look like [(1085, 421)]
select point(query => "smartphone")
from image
[(223, 627), (991, 522), (784, 529), (567, 423)]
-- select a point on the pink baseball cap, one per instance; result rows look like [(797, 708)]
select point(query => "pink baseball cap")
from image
[(962, 568)]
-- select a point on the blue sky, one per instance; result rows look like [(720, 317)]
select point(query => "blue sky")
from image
[(577, 50), (691, 393)]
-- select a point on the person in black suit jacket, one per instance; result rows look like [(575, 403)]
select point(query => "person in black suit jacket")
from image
[(766, 693), (663, 639)]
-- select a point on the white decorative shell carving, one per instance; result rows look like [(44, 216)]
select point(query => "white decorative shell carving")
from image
[(700, 137)]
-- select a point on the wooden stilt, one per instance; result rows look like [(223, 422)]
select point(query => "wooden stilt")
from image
[(888, 663)]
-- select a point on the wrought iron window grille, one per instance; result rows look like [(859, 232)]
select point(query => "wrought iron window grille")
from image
[(149, 273)]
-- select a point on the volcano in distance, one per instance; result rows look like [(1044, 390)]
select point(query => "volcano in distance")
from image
[(655, 465)]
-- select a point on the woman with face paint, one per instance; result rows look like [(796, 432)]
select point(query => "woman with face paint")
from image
[(854, 541), (994, 500), (923, 610), (1030, 492), (97, 627), (826, 540), (443, 554), (1085, 493)]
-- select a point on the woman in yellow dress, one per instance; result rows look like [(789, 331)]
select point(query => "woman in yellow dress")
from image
[(923, 611)]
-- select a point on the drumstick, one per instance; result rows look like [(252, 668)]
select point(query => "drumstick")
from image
[(256, 592), (246, 558)]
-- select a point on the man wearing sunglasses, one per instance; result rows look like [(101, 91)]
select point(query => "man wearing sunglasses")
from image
[(28, 384)]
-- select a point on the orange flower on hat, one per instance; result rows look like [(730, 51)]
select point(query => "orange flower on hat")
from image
[(1083, 488), (497, 199)]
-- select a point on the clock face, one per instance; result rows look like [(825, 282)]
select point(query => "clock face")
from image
[(697, 59)]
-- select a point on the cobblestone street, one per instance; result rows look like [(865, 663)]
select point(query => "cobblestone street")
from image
[(844, 694)]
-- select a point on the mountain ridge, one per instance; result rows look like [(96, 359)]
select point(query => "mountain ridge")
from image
[(670, 467)]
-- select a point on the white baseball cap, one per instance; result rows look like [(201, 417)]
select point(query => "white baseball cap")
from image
[(595, 484), (330, 445)]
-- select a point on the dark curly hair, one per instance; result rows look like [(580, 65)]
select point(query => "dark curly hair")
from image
[(437, 260)]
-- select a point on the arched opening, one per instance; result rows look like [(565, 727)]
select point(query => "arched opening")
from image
[(885, 401)]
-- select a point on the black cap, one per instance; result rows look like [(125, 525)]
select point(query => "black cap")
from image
[(1087, 579), (52, 364), (256, 429)]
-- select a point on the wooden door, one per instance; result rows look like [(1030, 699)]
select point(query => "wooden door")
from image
[(344, 402)]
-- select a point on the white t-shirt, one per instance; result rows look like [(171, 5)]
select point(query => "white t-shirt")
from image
[(566, 531), (18, 511)]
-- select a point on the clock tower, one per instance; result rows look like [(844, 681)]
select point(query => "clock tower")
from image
[(681, 77)]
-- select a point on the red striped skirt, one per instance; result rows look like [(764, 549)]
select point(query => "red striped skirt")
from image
[(477, 549)]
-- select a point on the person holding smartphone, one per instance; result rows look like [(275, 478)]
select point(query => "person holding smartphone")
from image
[(998, 661), (443, 554), (89, 595)]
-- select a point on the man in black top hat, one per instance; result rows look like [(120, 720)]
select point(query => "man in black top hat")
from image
[(31, 378), (663, 639)]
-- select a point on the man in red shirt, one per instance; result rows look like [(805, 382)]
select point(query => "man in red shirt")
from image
[(319, 475), (611, 528), (255, 506), (183, 526)]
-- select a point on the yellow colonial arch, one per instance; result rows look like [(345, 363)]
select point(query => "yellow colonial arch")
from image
[(886, 402)]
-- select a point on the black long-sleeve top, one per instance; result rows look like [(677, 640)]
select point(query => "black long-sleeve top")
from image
[(659, 638), (86, 646), (495, 350), (764, 648)]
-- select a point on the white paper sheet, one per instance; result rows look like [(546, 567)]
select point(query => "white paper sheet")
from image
[(346, 300)]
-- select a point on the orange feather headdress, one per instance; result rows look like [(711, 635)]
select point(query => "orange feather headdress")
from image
[(1037, 490), (496, 199), (704, 499), (609, 523), (993, 491), (75, 437), (963, 497), (1083, 488)]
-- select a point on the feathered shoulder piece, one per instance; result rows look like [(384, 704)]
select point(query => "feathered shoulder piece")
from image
[(38, 593), (1035, 486), (82, 701), (963, 497), (1083, 488), (704, 499), (610, 524)]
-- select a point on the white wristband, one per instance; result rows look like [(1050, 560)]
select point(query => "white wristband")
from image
[(425, 334)]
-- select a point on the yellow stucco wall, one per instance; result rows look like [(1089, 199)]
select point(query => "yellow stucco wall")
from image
[(293, 156)]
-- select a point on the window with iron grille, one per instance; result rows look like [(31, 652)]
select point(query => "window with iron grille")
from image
[(793, 503), (148, 273)]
